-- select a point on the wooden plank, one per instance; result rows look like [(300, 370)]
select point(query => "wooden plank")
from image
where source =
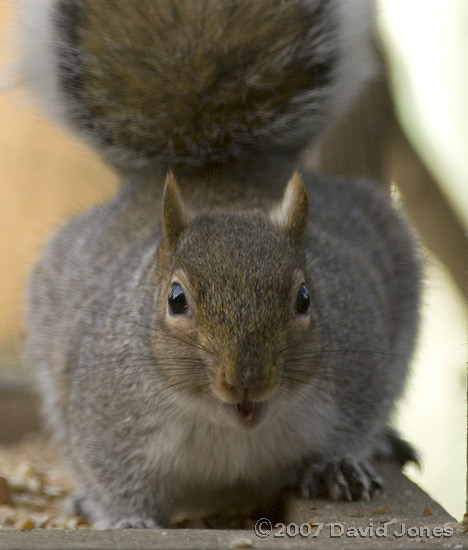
[(402, 508), (201, 540)]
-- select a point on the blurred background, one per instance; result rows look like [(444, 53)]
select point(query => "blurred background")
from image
[(47, 176), (426, 43)]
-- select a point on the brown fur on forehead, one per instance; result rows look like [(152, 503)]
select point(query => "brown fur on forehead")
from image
[(195, 80), (262, 264)]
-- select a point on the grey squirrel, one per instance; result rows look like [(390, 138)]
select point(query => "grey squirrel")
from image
[(228, 324)]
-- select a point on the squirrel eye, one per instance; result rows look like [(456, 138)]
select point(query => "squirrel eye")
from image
[(302, 301), (176, 300)]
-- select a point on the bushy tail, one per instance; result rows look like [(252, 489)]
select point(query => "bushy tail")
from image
[(195, 81)]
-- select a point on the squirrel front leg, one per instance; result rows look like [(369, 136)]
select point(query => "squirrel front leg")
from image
[(349, 478), (129, 503), (340, 479), (115, 487)]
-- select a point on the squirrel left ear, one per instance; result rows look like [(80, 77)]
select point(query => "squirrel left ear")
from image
[(291, 215), (174, 218)]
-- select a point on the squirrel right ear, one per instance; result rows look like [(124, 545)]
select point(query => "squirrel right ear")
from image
[(291, 215), (174, 218)]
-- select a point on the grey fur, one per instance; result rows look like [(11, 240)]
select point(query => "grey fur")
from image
[(144, 447)]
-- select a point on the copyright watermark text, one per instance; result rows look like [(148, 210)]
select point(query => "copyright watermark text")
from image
[(264, 528)]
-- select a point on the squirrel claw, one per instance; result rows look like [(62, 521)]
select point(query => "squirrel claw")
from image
[(341, 479)]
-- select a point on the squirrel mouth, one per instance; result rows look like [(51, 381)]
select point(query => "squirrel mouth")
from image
[(249, 413)]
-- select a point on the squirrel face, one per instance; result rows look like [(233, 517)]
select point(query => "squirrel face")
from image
[(223, 332)]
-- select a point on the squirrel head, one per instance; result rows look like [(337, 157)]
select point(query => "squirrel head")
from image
[(232, 298)]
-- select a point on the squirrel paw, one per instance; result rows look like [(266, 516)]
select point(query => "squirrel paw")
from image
[(135, 523), (340, 479)]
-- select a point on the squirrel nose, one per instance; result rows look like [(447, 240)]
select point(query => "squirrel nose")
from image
[(248, 376), (245, 381)]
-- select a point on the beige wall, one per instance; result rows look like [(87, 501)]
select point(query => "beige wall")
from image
[(45, 176)]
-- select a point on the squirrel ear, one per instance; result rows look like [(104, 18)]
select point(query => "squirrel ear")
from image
[(291, 215), (174, 218)]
